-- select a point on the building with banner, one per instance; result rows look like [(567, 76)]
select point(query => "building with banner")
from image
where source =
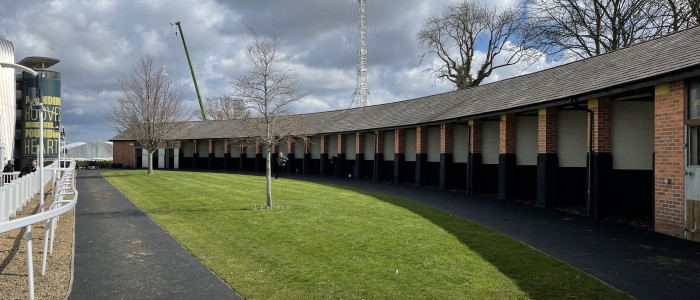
[(20, 124)]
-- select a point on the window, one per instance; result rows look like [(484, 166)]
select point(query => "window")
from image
[(693, 145), (694, 100)]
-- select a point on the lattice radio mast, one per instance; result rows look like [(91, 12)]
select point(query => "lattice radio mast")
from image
[(361, 92)]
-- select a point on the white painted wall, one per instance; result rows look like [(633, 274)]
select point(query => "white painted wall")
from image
[(489, 142), (250, 151), (460, 143), (235, 149), (410, 139), (526, 140), (434, 144), (219, 148), (7, 101), (316, 147), (350, 143), (187, 148), (333, 145), (370, 139), (572, 138), (282, 147), (203, 146), (389, 145), (299, 148), (632, 135), (161, 158)]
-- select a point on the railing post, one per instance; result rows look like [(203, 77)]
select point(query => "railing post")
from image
[(30, 263), (3, 204)]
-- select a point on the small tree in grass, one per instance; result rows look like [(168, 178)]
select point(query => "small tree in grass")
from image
[(268, 88), (149, 108)]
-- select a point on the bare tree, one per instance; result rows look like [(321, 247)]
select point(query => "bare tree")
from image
[(678, 14), (268, 88), (149, 107), (586, 28), (224, 107), (456, 36)]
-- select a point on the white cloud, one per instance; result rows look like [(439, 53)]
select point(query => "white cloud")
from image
[(100, 40)]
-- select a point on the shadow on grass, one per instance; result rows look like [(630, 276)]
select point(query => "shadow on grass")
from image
[(535, 273)]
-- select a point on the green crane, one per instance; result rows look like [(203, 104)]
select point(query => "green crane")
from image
[(201, 105)]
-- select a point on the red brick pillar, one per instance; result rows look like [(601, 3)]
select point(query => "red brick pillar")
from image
[(243, 156), (547, 159), (325, 164), (669, 164), (211, 155), (378, 155), (195, 154), (291, 157), (399, 154), (474, 162), (307, 156), (446, 155), (421, 155), (259, 159), (341, 170), (600, 159), (227, 154), (359, 155), (506, 158)]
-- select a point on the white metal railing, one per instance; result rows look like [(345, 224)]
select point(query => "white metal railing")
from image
[(6, 177), (16, 192), (63, 186)]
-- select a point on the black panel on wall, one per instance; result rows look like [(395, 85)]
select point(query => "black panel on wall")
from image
[(386, 171), (489, 179), (409, 172), (526, 183), (457, 177), (632, 194), (571, 189), (218, 163), (432, 174)]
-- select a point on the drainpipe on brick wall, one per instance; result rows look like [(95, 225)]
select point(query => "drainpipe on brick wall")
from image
[(589, 179)]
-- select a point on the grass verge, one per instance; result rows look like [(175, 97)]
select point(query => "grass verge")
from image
[(334, 242)]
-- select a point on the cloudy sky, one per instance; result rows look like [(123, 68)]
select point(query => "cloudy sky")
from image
[(98, 41)]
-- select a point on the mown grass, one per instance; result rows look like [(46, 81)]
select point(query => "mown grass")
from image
[(331, 242)]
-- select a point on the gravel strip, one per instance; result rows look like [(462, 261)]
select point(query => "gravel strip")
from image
[(13, 258)]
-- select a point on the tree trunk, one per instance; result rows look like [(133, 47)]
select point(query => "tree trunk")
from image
[(268, 176), (150, 162)]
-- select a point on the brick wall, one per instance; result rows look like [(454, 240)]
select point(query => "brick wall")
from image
[(669, 198), (359, 143), (475, 136), (422, 139), (399, 141), (341, 144), (290, 145), (379, 146), (602, 124), (124, 153), (547, 130), (324, 144), (446, 138), (506, 141)]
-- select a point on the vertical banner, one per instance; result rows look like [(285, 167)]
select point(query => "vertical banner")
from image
[(48, 86)]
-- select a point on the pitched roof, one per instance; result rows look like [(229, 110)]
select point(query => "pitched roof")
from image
[(645, 61)]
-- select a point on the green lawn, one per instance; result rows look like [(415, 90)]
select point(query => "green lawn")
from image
[(331, 242)]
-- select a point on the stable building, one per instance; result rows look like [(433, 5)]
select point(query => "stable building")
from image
[(613, 136)]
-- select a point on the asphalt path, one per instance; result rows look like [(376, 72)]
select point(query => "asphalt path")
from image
[(121, 253)]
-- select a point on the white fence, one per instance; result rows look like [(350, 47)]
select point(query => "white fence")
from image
[(17, 193)]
